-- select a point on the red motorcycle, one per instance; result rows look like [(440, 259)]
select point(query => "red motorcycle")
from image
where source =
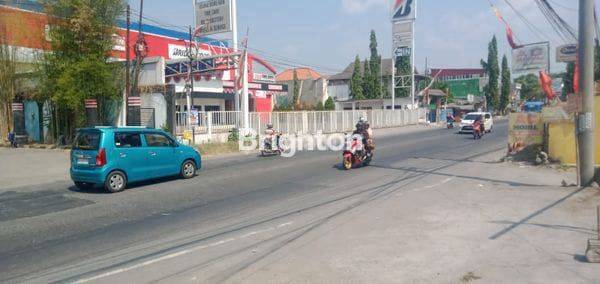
[(355, 153)]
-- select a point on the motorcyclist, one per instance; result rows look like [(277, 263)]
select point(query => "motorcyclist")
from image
[(364, 129), (478, 125), (271, 133), (450, 119)]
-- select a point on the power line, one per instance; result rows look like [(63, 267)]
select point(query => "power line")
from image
[(534, 29)]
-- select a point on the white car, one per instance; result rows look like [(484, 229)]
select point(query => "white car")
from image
[(466, 124)]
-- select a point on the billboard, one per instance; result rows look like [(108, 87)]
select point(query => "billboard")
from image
[(213, 16), (524, 129), (566, 53), (404, 10), (531, 58)]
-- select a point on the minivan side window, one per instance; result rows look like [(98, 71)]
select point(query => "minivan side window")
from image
[(128, 140), (157, 140)]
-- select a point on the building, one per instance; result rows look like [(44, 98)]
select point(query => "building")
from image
[(312, 86), (338, 87), (465, 84), (26, 29)]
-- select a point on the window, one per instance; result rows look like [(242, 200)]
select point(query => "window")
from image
[(87, 140), (127, 140), (158, 140)]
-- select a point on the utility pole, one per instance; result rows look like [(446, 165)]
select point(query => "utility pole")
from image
[(585, 121), (188, 95), (127, 65), (235, 50)]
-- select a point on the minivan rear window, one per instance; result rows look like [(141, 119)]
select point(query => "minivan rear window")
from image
[(87, 140)]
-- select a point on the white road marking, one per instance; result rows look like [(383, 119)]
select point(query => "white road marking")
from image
[(434, 185), (176, 254)]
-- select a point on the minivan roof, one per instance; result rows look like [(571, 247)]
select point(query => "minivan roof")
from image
[(120, 129)]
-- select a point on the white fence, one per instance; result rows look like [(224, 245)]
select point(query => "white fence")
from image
[(302, 122)]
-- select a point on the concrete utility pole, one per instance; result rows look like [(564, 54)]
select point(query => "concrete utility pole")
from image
[(127, 66), (586, 82), (235, 50), (188, 94)]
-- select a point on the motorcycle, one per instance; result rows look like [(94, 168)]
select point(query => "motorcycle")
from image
[(271, 147), (355, 153), (450, 124)]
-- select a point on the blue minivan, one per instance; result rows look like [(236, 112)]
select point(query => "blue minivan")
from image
[(114, 157)]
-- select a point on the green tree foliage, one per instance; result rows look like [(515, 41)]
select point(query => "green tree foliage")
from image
[(568, 79), (403, 68), (319, 106), (368, 82), (356, 82), (444, 87), (79, 67), (505, 89), (493, 71), (296, 91), (8, 84), (530, 87), (329, 104), (375, 67)]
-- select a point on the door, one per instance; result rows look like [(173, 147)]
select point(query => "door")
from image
[(131, 156), (162, 155)]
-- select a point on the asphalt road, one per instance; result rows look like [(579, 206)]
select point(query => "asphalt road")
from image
[(238, 211)]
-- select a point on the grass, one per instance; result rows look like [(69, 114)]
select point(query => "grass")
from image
[(211, 149)]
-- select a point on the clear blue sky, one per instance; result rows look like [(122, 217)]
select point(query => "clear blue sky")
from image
[(328, 33)]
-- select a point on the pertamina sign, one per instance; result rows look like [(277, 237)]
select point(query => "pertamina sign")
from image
[(404, 10), (214, 16)]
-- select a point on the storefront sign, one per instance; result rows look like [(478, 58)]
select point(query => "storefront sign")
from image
[(118, 43), (213, 16), (181, 51), (554, 114), (525, 129), (566, 53), (531, 58)]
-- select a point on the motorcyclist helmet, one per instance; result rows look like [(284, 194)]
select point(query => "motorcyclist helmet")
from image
[(269, 125), (362, 119)]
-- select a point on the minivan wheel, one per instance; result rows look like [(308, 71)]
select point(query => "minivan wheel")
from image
[(115, 182), (188, 169)]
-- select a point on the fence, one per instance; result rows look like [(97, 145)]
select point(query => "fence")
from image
[(304, 122)]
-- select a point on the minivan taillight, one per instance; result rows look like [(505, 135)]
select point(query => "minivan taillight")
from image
[(101, 158)]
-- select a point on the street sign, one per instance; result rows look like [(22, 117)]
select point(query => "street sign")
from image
[(214, 16), (404, 10), (566, 53)]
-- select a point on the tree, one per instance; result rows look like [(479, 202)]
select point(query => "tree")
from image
[(8, 84), (329, 104), (296, 91), (568, 84), (368, 88), (79, 66), (444, 87), (356, 82), (505, 91), (375, 67), (493, 72), (530, 87), (319, 106), (403, 68)]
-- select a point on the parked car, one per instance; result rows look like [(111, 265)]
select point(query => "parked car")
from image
[(466, 124), (114, 157)]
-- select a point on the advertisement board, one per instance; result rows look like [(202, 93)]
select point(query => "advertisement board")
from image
[(524, 129), (404, 10), (213, 16), (531, 58), (566, 53)]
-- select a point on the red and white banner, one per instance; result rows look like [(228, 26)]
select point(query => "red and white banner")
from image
[(134, 101), (17, 107), (91, 103)]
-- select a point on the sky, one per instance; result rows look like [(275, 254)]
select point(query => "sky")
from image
[(328, 34)]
